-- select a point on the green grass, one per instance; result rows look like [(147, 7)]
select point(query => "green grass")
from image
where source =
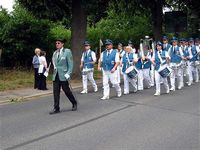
[(15, 79), (20, 78)]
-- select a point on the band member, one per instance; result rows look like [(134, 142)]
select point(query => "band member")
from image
[(109, 61), (186, 63), (160, 59), (88, 60), (121, 50), (176, 55), (121, 53), (143, 65), (63, 64), (193, 59), (166, 45), (128, 59), (152, 70), (197, 44), (133, 50)]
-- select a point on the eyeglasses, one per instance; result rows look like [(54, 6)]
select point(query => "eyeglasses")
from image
[(58, 43)]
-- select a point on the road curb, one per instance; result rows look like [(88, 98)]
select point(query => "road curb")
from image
[(25, 98)]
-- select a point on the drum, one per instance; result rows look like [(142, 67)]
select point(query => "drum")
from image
[(131, 72), (164, 71)]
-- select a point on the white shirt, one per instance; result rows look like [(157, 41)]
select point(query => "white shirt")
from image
[(43, 63), (190, 51), (135, 58), (110, 51), (92, 53), (158, 52), (179, 48)]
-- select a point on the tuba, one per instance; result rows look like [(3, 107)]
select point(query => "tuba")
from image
[(146, 45)]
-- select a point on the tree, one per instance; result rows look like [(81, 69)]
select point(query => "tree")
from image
[(20, 34), (76, 10)]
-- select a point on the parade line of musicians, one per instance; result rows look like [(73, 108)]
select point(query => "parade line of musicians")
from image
[(175, 59)]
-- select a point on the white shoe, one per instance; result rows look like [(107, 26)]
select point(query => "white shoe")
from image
[(84, 92), (105, 98), (134, 91), (197, 81), (157, 94), (172, 89), (125, 93), (95, 89), (119, 93), (189, 83), (179, 87), (167, 91)]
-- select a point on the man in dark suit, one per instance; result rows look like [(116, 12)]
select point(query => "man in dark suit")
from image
[(63, 64)]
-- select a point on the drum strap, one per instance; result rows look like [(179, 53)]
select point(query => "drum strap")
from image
[(159, 56)]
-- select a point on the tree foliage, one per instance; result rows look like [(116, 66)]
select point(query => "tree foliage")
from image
[(20, 34)]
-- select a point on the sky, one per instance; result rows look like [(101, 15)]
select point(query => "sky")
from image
[(8, 4)]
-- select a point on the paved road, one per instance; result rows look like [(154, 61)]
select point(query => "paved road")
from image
[(138, 121)]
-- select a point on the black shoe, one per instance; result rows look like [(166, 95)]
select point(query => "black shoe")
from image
[(54, 112), (74, 107)]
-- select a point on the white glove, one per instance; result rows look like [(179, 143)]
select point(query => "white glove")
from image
[(130, 63), (67, 76)]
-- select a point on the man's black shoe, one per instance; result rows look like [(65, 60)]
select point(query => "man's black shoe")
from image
[(74, 107), (54, 112)]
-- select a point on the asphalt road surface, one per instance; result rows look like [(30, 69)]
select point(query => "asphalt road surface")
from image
[(138, 121)]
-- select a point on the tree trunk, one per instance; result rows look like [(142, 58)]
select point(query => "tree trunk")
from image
[(157, 19), (78, 34)]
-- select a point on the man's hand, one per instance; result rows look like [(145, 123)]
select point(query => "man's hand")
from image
[(113, 70), (67, 76), (99, 68), (81, 66)]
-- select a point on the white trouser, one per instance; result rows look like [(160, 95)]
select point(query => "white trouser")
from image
[(198, 71), (126, 83), (85, 78), (193, 71), (118, 74), (176, 73), (107, 75), (157, 80), (143, 74), (152, 75)]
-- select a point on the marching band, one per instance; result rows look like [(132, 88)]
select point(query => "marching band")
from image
[(154, 63)]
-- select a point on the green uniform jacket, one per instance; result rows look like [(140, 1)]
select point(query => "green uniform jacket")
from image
[(63, 64)]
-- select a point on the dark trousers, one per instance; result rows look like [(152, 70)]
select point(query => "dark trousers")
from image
[(57, 84), (42, 82), (36, 78)]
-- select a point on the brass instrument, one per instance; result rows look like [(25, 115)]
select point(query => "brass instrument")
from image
[(146, 45)]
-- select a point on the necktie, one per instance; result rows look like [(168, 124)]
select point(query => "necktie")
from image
[(108, 54), (58, 53), (165, 45), (174, 50)]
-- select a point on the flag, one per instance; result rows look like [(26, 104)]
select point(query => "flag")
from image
[(100, 42)]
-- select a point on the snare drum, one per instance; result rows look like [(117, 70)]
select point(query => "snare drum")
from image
[(131, 72), (164, 71)]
